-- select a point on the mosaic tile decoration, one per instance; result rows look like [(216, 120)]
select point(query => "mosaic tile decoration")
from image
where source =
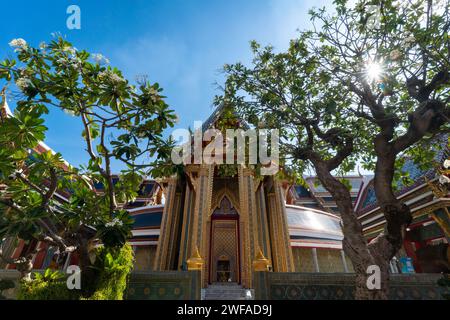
[(177, 285), (329, 286)]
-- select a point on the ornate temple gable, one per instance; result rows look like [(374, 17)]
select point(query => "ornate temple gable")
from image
[(301, 195), (225, 187), (367, 198), (221, 112), (225, 208)]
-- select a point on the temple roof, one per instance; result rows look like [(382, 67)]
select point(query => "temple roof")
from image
[(217, 113), (313, 228), (367, 199)]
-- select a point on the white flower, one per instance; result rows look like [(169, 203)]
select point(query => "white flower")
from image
[(447, 164), (75, 62), (113, 223), (395, 55), (410, 39), (23, 83), (444, 179), (102, 75), (61, 61), (43, 45), (110, 76), (18, 43), (99, 58), (70, 50), (115, 78), (153, 91), (283, 107)]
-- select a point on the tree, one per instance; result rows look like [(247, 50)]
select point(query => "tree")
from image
[(346, 91), (122, 122)]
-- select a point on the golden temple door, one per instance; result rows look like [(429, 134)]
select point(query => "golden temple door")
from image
[(224, 264)]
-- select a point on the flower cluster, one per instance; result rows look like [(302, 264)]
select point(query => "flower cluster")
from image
[(23, 83), (447, 164), (444, 179), (19, 44), (113, 223), (100, 59), (410, 39), (110, 76), (69, 58), (395, 55)]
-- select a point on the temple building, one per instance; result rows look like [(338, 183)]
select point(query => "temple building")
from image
[(230, 224), (313, 195)]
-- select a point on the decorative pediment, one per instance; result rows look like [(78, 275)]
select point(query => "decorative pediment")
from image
[(225, 208)]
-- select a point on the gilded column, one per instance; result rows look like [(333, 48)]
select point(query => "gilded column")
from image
[(175, 228), (162, 260), (202, 203), (185, 243), (263, 228), (253, 224), (246, 257), (279, 232), (205, 240), (273, 231), (285, 244)]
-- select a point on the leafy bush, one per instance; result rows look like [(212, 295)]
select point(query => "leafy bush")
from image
[(112, 267), (48, 286)]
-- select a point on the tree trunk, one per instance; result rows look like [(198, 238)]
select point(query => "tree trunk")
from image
[(384, 247), (354, 244), (88, 273)]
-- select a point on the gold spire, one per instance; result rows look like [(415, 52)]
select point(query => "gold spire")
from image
[(195, 262), (261, 263)]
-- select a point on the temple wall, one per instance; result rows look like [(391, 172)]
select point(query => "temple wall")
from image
[(340, 286), (143, 285), (144, 257), (168, 285), (328, 260)]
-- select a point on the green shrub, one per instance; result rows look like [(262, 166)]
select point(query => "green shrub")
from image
[(48, 286), (112, 266)]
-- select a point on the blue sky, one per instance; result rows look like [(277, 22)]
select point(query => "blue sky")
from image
[(180, 44)]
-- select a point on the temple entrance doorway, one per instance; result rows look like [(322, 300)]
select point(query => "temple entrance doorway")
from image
[(223, 270), (224, 264)]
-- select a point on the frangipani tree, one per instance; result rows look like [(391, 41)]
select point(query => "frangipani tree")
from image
[(121, 122), (347, 91)]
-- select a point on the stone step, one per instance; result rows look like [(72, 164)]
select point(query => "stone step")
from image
[(243, 293), (226, 291)]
